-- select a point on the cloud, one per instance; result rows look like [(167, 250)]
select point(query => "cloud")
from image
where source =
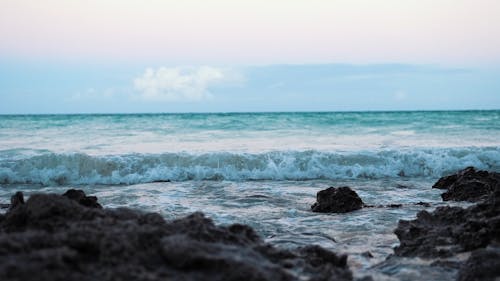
[(181, 83)]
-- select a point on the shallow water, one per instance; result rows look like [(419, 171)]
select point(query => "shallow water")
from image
[(280, 212)]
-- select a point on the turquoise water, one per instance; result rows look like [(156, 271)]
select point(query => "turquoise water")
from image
[(262, 169), (128, 149)]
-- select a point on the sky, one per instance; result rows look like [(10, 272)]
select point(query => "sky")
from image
[(99, 56)]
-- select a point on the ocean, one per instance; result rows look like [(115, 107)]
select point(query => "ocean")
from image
[(261, 169)]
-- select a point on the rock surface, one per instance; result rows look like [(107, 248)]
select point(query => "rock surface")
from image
[(483, 264), (450, 230), (53, 237), (468, 185), (337, 200)]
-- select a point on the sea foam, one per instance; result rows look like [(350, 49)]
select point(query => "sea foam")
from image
[(78, 169)]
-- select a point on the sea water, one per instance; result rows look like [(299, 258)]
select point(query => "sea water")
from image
[(261, 169)]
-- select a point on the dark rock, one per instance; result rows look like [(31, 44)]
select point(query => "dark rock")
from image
[(450, 230), (395, 206), (80, 197), (53, 237), (446, 182), (337, 200), (365, 278), (425, 204), (447, 264), (483, 264), (468, 185), (16, 200), (156, 181)]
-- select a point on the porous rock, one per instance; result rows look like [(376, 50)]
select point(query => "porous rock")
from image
[(468, 185), (483, 264), (337, 200), (53, 237), (450, 230)]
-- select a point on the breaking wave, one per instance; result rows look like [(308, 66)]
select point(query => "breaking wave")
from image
[(81, 169)]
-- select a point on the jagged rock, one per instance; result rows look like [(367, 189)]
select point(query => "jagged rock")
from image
[(450, 230), (483, 264), (16, 200), (446, 182), (53, 237), (337, 200), (468, 185), (79, 196)]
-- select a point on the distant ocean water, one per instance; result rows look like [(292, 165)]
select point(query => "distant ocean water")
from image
[(262, 169), (129, 149)]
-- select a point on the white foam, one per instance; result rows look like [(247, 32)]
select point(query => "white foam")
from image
[(62, 169)]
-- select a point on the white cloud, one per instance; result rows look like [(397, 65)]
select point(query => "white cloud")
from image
[(181, 83)]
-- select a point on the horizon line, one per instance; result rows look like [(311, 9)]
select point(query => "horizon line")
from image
[(247, 112)]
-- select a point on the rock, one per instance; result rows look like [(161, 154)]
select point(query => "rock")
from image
[(16, 200), (337, 200), (450, 230), (53, 237), (483, 264), (80, 197), (159, 181), (468, 185), (394, 205), (446, 182), (424, 204)]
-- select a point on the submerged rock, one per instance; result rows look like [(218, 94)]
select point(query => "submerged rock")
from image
[(53, 237), (468, 185), (337, 200)]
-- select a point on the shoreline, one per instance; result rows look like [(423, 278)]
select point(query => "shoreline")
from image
[(445, 263)]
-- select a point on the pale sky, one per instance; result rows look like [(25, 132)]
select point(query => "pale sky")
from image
[(203, 55), (256, 31)]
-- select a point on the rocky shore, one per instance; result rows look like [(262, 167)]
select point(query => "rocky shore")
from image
[(72, 237), (450, 231)]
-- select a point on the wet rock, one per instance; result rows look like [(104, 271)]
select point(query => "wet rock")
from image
[(53, 237), (159, 181), (80, 197), (446, 182), (483, 264), (394, 205), (450, 230), (424, 204), (468, 185), (337, 200), (16, 200)]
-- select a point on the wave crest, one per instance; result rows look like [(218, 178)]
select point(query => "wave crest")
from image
[(63, 169)]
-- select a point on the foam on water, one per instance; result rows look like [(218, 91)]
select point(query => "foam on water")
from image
[(49, 168)]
